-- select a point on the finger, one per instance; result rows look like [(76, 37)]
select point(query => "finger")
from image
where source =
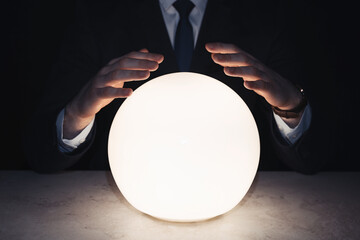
[(142, 54), (248, 73), (114, 60), (257, 86), (120, 76), (226, 48), (232, 60), (221, 48), (126, 63), (110, 92)]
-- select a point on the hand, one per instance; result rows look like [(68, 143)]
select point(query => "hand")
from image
[(106, 86), (276, 90)]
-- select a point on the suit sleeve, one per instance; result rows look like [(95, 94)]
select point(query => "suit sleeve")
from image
[(299, 58), (77, 64)]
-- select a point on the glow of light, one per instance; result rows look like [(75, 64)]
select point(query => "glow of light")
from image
[(184, 147)]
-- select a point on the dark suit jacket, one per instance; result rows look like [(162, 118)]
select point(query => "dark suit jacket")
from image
[(109, 29)]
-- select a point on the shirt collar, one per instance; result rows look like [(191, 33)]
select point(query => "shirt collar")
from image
[(200, 4)]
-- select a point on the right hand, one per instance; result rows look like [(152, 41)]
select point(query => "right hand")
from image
[(106, 86)]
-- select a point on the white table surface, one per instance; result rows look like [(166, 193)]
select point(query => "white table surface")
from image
[(88, 205)]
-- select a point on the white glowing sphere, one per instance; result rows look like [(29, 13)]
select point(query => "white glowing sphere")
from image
[(184, 147)]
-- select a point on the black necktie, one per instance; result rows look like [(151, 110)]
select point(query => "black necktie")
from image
[(184, 39)]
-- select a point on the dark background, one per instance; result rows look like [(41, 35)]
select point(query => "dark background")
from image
[(33, 32)]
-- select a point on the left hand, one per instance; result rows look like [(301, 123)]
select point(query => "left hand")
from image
[(276, 90)]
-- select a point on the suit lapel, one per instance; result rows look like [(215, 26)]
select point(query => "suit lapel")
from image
[(157, 37), (211, 27), (221, 25), (215, 27)]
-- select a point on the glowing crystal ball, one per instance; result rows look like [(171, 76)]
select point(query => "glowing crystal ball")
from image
[(184, 147)]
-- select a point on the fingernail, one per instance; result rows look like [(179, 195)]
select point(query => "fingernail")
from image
[(219, 57), (229, 69), (161, 59), (128, 92), (145, 73), (209, 45)]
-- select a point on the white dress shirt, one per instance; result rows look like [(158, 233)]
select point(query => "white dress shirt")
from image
[(171, 18)]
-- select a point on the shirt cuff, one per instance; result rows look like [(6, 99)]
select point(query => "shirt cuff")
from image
[(69, 145), (291, 135)]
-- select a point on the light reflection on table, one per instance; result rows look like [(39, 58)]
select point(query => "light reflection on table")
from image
[(88, 205)]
